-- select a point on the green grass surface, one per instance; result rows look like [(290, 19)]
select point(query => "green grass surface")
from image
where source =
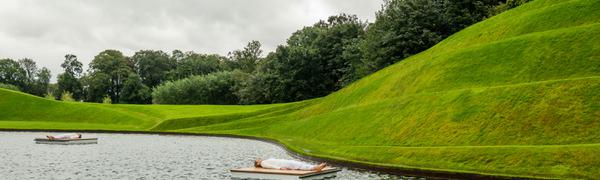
[(517, 94)]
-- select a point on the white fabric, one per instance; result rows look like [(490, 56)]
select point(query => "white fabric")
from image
[(286, 164), (66, 136)]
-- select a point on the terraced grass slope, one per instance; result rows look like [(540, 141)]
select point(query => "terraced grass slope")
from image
[(493, 83), (22, 111), (517, 94)]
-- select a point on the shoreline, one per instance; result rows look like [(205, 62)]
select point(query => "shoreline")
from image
[(411, 172)]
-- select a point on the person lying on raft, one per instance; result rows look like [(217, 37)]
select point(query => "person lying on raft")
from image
[(284, 164), (65, 136)]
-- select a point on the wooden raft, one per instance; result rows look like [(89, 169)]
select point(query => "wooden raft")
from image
[(66, 141), (262, 173)]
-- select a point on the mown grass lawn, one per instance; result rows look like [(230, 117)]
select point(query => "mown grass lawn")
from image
[(517, 94)]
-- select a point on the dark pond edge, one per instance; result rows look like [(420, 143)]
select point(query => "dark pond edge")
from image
[(411, 172)]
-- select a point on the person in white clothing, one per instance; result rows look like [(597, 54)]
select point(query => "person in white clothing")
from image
[(285, 164), (65, 136)]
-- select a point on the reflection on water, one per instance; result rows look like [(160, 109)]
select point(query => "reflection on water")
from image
[(136, 156)]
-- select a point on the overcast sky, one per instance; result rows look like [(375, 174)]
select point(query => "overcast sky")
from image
[(47, 30)]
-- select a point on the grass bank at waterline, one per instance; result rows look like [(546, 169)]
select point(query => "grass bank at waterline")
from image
[(517, 94)]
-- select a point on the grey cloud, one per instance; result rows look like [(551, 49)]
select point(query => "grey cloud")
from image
[(47, 30)]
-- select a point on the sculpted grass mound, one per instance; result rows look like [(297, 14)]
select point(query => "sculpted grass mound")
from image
[(517, 94)]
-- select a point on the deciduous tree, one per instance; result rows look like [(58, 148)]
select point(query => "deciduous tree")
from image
[(246, 59), (406, 27), (117, 67), (69, 80), (153, 66), (134, 91), (11, 72), (192, 64)]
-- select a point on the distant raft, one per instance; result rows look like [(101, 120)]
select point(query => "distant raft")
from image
[(262, 173), (66, 141)]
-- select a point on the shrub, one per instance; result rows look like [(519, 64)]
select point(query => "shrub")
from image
[(67, 96), (507, 6), (214, 88), (106, 100), (10, 87), (50, 96)]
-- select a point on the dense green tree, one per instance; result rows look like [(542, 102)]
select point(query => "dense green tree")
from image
[(256, 88), (153, 66), (12, 73), (30, 68), (300, 74), (72, 66), (214, 88), (463, 13), (41, 85), (354, 68), (69, 81), (117, 67), (192, 64), (509, 4), (406, 27), (333, 45), (36, 81), (177, 55), (135, 91), (313, 63), (52, 90), (246, 59), (25, 75), (96, 86), (44, 76)]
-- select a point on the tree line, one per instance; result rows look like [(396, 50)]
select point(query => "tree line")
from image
[(24, 75), (315, 60)]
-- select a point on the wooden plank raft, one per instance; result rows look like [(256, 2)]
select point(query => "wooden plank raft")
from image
[(262, 173), (66, 141)]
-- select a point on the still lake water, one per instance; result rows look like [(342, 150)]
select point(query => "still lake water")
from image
[(139, 156)]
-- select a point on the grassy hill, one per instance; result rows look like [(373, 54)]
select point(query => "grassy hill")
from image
[(517, 94), (20, 110)]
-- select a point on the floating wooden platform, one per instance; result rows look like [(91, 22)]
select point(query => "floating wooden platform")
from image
[(66, 141), (261, 173)]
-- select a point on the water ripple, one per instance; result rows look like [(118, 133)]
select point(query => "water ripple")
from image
[(136, 156)]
